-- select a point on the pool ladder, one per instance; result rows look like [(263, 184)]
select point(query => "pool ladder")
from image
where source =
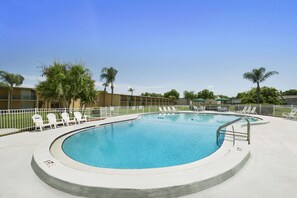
[(223, 130)]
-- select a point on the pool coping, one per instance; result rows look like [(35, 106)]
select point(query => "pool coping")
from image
[(166, 182)]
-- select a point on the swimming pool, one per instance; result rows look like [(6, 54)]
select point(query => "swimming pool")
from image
[(148, 142), (60, 171)]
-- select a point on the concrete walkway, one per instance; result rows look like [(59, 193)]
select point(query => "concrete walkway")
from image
[(270, 172)]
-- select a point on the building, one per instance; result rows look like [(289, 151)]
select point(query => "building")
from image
[(104, 99), (290, 100), (22, 98)]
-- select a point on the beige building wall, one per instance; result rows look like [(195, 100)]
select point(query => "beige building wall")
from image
[(22, 98), (29, 98)]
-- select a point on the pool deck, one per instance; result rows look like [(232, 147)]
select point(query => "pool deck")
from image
[(270, 172)]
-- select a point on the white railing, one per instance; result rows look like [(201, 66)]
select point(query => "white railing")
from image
[(18, 120)]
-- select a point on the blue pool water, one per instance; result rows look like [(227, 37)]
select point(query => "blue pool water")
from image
[(148, 142)]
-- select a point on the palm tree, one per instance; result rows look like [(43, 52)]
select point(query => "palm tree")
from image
[(10, 80), (131, 90), (105, 85), (109, 75), (258, 76)]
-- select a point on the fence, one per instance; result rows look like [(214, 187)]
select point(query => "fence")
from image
[(17, 120)]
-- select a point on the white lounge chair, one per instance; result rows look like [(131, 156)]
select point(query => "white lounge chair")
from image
[(168, 109), (253, 110), (160, 109), (38, 121), (290, 115), (219, 108), (173, 108), (165, 110), (247, 110), (79, 118), (66, 119), (52, 120), (243, 110)]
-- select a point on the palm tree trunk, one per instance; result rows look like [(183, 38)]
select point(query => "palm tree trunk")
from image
[(8, 99), (258, 92), (111, 94), (104, 96)]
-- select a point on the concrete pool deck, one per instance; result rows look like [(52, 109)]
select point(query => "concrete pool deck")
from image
[(270, 172)]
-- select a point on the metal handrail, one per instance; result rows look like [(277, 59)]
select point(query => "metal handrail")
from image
[(221, 130)]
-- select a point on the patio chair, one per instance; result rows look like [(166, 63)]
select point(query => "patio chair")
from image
[(66, 119), (195, 108), (173, 108), (165, 110), (243, 110), (160, 109), (168, 109), (290, 115), (219, 108), (52, 120), (247, 110), (253, 110), (79, 118), (38, 121)]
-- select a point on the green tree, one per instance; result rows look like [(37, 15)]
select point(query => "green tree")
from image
[(81, 85), (131, 90), (268, 95), (55, 88), (290, 92), (10, 80), (88, 93), (65, 83), (258, 76), (205, 94), (152, 94), (109, 76), (189, 95), (173, 94)]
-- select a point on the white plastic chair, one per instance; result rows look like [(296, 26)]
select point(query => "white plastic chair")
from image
[(243, 110), (79, 118), (38, 121), (247, 110), (290, 115), (66, 119), (52, 120), (168, 109), (160, 109), (253, 110), (173, 108)]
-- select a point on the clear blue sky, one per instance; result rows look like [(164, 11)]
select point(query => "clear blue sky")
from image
[(156, 45)]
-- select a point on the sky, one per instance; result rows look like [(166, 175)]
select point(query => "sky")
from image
[(155, 45)]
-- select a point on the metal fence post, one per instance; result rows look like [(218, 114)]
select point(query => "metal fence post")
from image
[(273, 109), (260, 107)]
